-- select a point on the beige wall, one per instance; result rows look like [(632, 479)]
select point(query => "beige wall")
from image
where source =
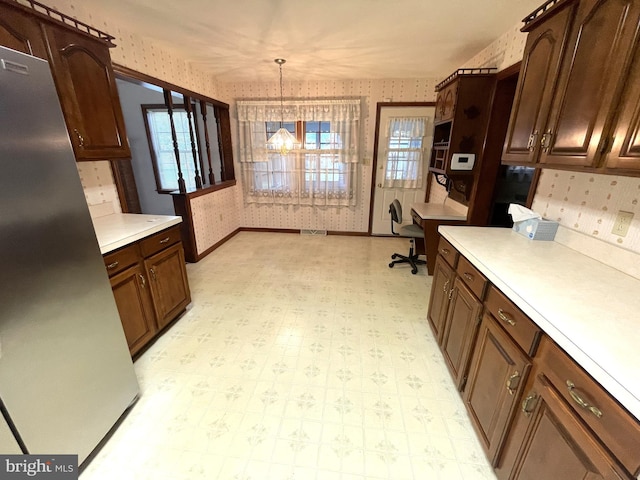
[(586, 203), (344, 219), (140, 54)]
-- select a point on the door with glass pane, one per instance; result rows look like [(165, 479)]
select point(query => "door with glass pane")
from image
[(405, 134)]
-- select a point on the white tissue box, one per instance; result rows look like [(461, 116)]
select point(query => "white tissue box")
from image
[(537, 228)]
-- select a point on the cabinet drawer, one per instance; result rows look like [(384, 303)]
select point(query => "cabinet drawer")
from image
[(470, 275), (617, 429), (117, 261), (160, 241), (448, 252), (525, 333)]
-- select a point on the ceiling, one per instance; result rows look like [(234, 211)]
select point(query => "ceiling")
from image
[(237, 40)]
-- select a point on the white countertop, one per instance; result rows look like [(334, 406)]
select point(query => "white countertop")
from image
[(120, 229), (588, 308), (437, 211)]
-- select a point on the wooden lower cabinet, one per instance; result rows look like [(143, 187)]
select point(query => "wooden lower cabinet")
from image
[(441, 291), (537, 413), (461, 326), (135, 306), (496, 378), (150, 285), (169, 284), (553, 443)]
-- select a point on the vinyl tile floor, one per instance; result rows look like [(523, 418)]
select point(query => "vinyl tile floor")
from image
[(300, 358)]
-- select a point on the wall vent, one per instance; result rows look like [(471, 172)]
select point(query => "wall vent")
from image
[(313, 232)]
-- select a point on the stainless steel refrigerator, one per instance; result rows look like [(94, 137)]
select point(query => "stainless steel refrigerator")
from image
[(66, 376)]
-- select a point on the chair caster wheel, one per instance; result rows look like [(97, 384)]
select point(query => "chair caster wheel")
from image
[(394, 255), (414, 271), (391, 265)]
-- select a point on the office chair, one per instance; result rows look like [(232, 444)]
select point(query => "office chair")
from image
[(411, 231)]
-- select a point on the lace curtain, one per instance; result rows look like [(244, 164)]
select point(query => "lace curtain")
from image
[(404, 152), (323, 173)]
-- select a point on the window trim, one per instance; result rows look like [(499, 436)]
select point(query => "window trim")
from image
[(154, 159)]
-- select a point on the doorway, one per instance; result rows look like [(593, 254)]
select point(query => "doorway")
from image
[(403, 138)]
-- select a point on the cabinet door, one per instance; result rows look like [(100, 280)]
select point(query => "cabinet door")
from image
[(555, 443), (538, 75), (86, 86), (460, 330), (133, 298), (441, 290), (581, 111), (21, 32), (625, 151), (496, 377), (169, 285), (446, 102)]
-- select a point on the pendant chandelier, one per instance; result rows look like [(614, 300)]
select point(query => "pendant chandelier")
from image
[(282, 141)]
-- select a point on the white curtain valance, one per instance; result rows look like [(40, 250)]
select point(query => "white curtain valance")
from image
[(298, 110)]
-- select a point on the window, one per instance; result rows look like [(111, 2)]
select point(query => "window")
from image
[(161, 146), (321, 172), (404, 152)]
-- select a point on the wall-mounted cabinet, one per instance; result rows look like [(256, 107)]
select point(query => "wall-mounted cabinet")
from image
[(462, 112), (82, 71), (576, 95)]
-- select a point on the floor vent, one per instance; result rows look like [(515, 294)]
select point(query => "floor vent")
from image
[(313, 232)]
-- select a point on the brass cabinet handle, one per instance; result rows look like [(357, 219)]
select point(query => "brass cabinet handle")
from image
[(581, 401), (113, 265), (164, 240), (531, 144), (153, 272), (468, 276), (545, 142), (142, 280), (510, 380), (505, 318), (80, 138), (444, 288), (450, 293), (527, 407), (445, 251)]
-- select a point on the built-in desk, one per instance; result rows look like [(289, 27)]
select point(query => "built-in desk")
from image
[(430, 216)]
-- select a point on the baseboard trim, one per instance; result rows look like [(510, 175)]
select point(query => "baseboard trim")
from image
[(200, 256)]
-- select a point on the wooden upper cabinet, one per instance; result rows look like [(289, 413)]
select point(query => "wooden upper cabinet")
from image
[(540, 67), (21, 32), (86, 86), (602, 35), (446, 103), (625, 147)]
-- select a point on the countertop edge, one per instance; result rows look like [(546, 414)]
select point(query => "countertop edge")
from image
[(609, 383), (129, 237)]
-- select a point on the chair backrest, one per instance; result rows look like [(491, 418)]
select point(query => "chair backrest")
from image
[(395, 210)]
